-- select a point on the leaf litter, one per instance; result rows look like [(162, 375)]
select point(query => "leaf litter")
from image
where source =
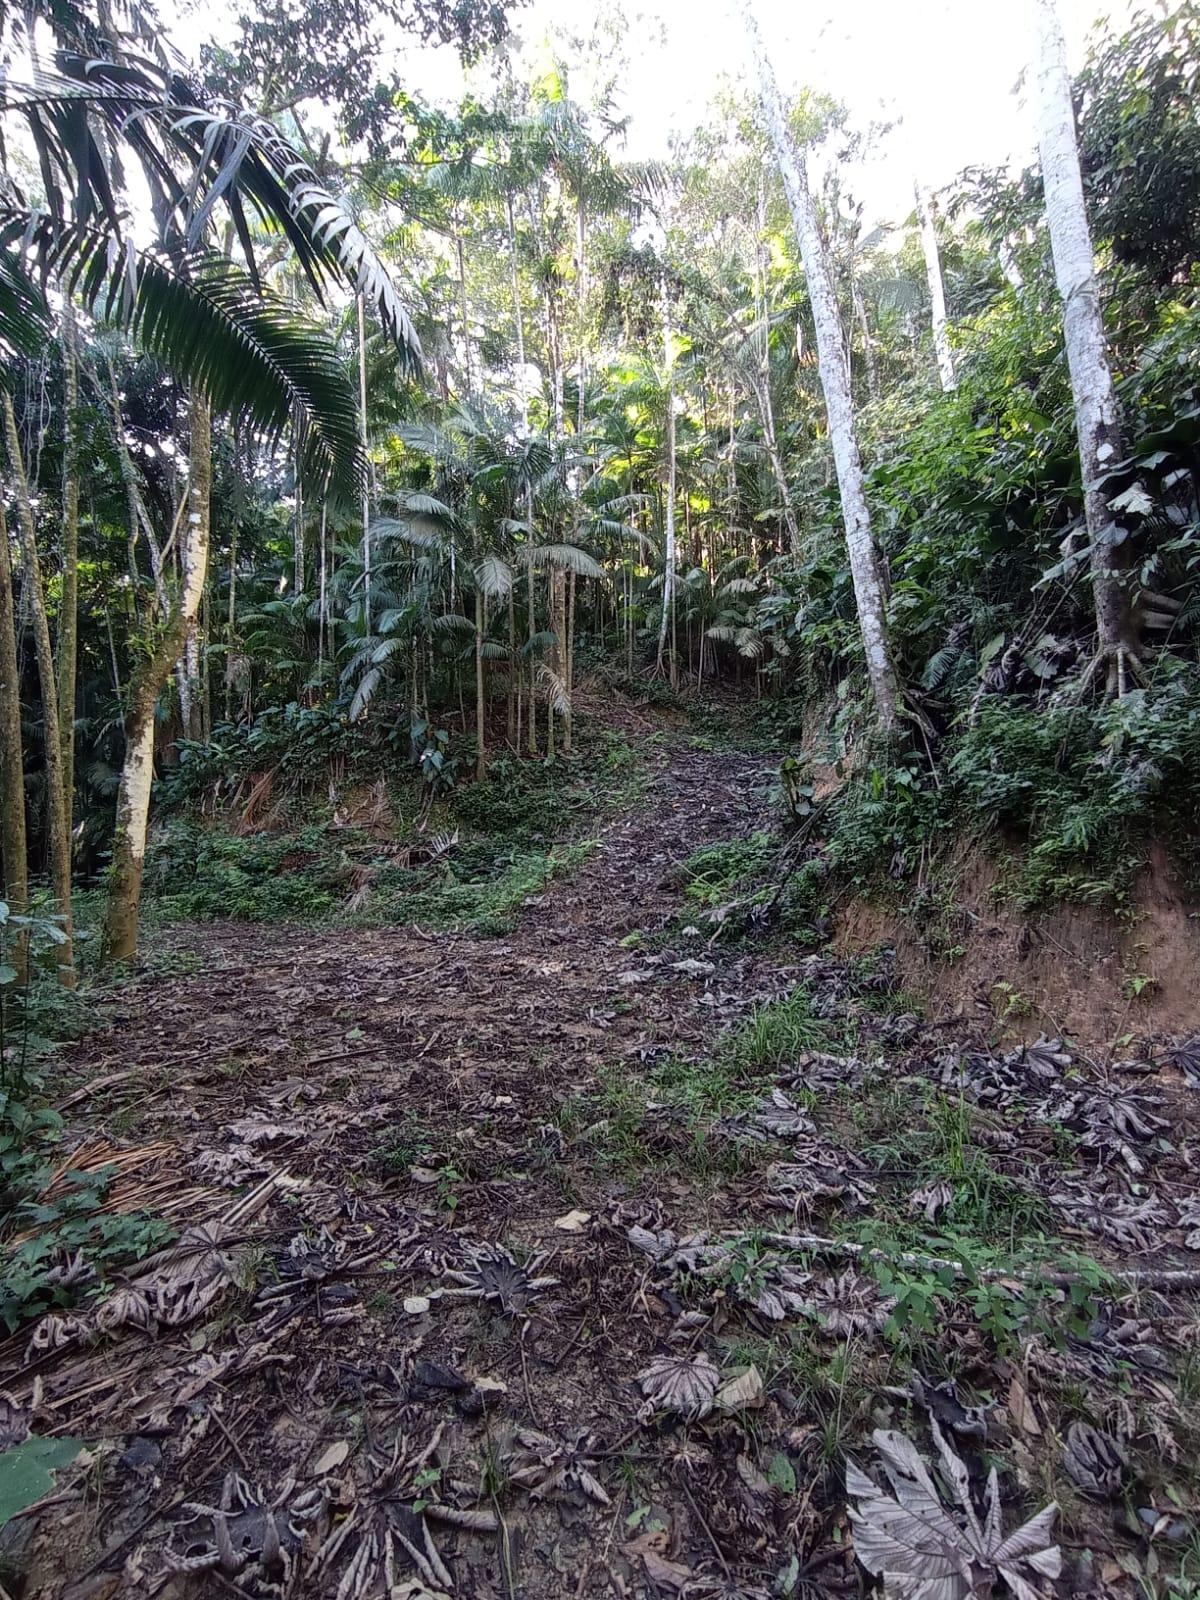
[(436, 1323)]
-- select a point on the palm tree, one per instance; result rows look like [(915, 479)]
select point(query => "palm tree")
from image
[(241, 349)]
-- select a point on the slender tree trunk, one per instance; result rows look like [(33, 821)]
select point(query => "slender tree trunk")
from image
[(12, 768), (668, 595), (366, 476), (463, 306), (139, 516), (762, 379), (835, 381), (513, 701), (480, 699), (321, 617), (57, 825), (137, 774), (517, 317), (937, 292), (231, 616), (532, 620), (1009, 267), (298, 550), (68, 619), (1097, 419), (864, 327), (569, 665), (581, 312)]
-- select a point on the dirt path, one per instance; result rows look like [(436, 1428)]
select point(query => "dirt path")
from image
[(436, 1263)]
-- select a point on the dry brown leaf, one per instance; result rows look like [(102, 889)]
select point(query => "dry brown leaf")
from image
[(573, 1221), (742, 1392), (1020, 1407), (331, 1459)]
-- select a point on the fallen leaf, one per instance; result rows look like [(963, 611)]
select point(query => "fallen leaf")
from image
[(742, 1392), (669, 1574), (573, 1222), (752, 1477), (330, 1460), (1020, 1407)]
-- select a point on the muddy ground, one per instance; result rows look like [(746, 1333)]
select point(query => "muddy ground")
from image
[(575, 1262)]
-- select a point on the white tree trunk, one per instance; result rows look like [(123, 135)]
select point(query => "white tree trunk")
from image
[(1097, 419), (835, 382), (137, 774), (937, 291)]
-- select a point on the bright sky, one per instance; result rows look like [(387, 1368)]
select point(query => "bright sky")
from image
[(949, 68)]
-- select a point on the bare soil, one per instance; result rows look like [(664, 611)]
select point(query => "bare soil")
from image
[(405, 1343)]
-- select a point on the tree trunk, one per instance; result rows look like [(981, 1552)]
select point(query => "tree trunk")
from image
[(864, 327), (517, 317), (463, 307), (12, 768), (513, 712), (761, 381), (137, 774), (68, 618), (57, 826), (937, 292), (569, 665), (480, 699), (668, 595), (1097, 420), (835, 382), (366, 477), (530, 664)]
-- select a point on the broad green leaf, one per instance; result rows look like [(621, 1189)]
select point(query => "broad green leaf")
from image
[(27, 1471)]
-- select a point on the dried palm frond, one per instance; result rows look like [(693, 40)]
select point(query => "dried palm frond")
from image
[(546, 1466), (922, 1549), (1133, 1224), (686, 1385), (1095, 1462), (493, 1273)]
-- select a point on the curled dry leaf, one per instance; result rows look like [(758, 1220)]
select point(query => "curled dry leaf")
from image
[(1094, 1461), (742, 1392), (14, 1421), (683, 1384), (1188, 1216), (127, 1308), (850, 1304), (493, 1273), (1131, 1223), (929, 1200), (781, 1117), (55, 1333), (546, 1466), (924, 1550)]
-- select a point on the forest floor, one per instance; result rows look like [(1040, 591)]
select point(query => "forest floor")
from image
[(575, 1260)]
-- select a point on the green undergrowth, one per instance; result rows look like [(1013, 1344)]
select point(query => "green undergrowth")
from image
[(664, 1114), (58, 1245), (1067, 794), (469, 861)]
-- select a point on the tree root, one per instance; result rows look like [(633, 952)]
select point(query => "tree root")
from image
[(1122, 662)]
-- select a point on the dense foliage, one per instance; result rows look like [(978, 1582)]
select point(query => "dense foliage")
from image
[(614, 455)]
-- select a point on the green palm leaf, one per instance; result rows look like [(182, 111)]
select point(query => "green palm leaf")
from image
[(248, 352)]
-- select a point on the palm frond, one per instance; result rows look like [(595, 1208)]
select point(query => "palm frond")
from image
[(494, 576), (248, 352), (569, 557), (195, 153)]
